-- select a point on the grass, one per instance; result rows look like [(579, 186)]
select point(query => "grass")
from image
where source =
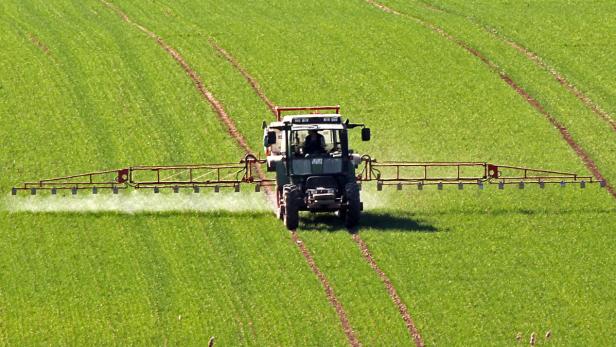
[(158, 279), (573, 38), (473, 267), (121, 279), (591, 132)]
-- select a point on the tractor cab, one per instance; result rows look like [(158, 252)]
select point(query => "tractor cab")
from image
[(315, 148), (315, 169)]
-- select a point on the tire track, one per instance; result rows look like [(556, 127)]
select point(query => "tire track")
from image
[(560, 78), (39, 44), (241, 141), (564, 132), (196, 79), (540, 62), (251, 80), (391, 290), (363, 247), (329, 291)]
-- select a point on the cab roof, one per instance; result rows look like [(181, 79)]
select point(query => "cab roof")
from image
[(327, 118), (317, 127)]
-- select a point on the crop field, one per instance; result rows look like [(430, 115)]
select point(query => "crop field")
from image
[(102, 84)]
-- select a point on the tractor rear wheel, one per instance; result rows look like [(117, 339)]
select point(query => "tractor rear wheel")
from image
[(291, 208), (353, 208)]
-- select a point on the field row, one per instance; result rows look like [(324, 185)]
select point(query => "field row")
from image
[(471, 266)]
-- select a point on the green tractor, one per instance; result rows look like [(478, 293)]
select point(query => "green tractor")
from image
[(315, 169)]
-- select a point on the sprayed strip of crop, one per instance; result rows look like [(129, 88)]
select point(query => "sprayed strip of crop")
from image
[(565, 134), (235, 133), (391, 290)]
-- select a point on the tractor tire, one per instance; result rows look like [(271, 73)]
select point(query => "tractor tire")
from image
[(291, 208), (353, 208), (280, 212), (279, 203)]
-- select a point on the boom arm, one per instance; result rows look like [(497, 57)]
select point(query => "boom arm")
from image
[(157, 177), (459, 173), (233, 175)]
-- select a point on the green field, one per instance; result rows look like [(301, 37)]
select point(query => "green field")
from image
[(81, 90)]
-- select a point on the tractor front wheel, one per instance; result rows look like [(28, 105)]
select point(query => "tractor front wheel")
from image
[(279, 203), (353, 208), (291, 208)]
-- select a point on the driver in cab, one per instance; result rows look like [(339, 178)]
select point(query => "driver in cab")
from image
[(314, 143)]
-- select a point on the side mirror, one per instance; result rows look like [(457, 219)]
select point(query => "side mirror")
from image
[(365, 134), (271, 138), (263, 125)]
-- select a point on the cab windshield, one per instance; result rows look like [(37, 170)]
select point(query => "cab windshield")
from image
[(315, 142)]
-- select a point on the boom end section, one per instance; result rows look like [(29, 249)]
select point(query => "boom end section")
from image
[(400, 173), (108, 179)]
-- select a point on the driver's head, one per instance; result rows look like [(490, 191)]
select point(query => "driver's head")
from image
[(312, 132)]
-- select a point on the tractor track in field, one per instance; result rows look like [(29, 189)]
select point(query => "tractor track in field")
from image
[(361, 244), (560, 78), (196, 79), (39, 44), (391, 290), (241, 141), (540, 62), (251, 80), (564, 132), (329, 291)]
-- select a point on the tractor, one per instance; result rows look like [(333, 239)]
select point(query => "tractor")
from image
[(314, 166)]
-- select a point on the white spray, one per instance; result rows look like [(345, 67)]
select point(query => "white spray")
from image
[(373, 199), (137, 202)]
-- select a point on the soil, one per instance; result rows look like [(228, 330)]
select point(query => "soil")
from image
[(38, 43)]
